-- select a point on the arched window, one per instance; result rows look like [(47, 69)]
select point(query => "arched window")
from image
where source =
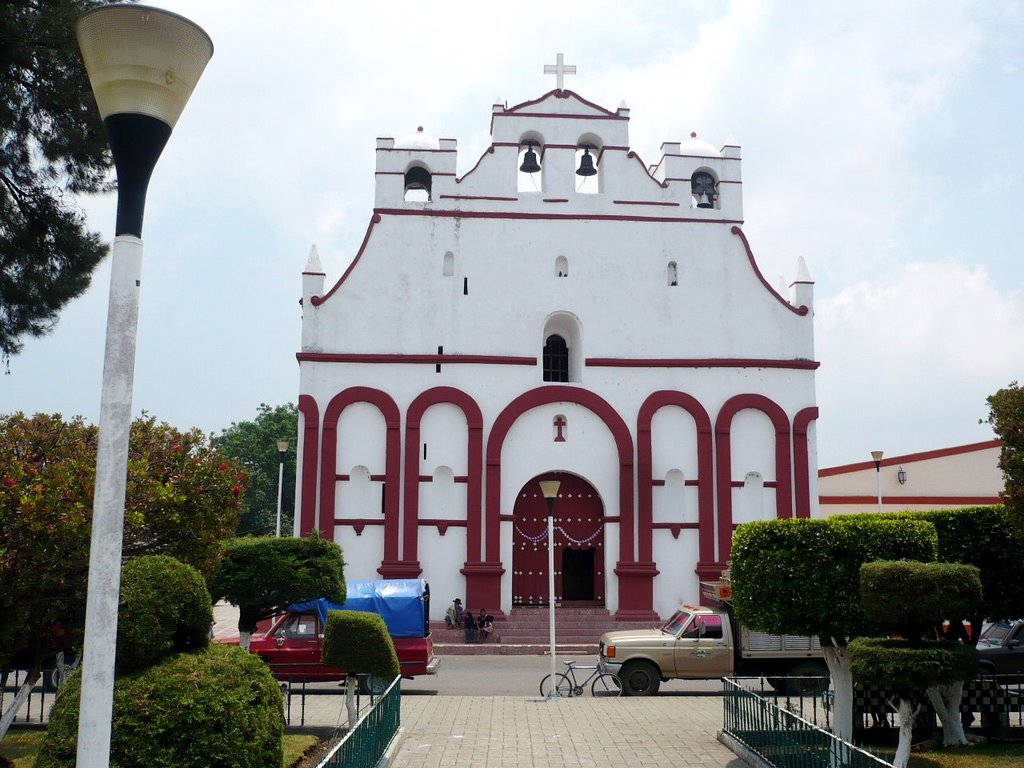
[(673, 274), (556, 359), (417, 185), (562, 266)]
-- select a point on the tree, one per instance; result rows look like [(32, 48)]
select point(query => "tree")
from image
[(254, 444), (1006, 415), (264, 575), (359, 642), (909, 600), (802, 577), (182, 498), (52, 146)]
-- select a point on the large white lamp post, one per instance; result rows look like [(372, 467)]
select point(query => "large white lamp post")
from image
[(282, 451), (143, 64), (877, 456), (549, 488)]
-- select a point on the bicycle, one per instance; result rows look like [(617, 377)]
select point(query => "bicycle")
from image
[(566, 684)]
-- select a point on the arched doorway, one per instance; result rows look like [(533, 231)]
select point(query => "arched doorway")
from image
[(578, 543)]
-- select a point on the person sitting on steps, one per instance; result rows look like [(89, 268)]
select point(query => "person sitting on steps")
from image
[(486, 625), (453, 616), (469, 626)]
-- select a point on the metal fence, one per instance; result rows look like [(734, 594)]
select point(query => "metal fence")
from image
[(784, 739), (364, 745), (36, 709)]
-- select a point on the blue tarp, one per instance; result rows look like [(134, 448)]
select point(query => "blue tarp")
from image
[(402, 603)]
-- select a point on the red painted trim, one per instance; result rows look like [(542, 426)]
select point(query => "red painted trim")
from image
[(711, 362), (428, 521), (392, 458), (358, 521), (643, 202), (545, 396), (634, 156), (801, 460), (967, 501), (677, 528), (803, 310), (474, 464), (328, 357), (723, 455), (560, 116), (702, 157), (459, 214), (417, 149), (480, 197), (488, 151), (939, 453), (705, 472), (563, 93), (316, 301), (310, 458), (556, 200), (690, 178), (388, 173)]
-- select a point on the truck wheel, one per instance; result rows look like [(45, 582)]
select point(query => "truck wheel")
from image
[(806, 679), (640, 678)]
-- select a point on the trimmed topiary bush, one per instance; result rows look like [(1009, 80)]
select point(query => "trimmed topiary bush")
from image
[(164, 608), (358, 641), (910, 597), (908, 667), (216, 707)]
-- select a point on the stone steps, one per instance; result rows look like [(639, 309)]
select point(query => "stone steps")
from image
[(526, 632)]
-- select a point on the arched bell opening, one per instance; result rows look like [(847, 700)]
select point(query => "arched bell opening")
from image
[(530, 161), (417, 185), (588, 160), (704, 190)]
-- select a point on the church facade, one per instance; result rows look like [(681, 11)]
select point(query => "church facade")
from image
[(560, 311)]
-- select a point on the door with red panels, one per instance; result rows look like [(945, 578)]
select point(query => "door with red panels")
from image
[(578, 543)]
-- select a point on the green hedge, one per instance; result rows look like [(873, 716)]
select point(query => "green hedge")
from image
[(910, 668), (909, 597), (358, 641), (802, 576), (164, 607), (264, 575), (983, 537), (215, 707)]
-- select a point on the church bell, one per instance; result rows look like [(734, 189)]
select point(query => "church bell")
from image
[(586, 164), (530, 164)]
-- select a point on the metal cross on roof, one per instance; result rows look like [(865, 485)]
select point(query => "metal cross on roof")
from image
[(560, 70)]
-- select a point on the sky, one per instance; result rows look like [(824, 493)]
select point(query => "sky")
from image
[(883, 142)]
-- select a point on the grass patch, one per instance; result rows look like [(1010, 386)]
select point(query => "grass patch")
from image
[(23, 746), (295, 746), (981, 756)]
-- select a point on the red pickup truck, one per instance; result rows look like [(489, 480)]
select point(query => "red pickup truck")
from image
[(292, 645)]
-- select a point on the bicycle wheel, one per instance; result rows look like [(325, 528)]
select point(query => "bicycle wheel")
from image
[(606, 684), (563, 686)]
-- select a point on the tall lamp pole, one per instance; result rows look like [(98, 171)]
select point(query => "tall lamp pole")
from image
[(549, 488), (143, 64), (877, 456), (282, 451)]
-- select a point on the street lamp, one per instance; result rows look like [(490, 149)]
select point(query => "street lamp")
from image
[(877, 456), (549, 488), (143, 64), (282, 451)]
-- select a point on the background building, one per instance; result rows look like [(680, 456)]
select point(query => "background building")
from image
[(962, 476)]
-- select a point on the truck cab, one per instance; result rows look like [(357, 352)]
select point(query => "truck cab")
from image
[(696, 642)]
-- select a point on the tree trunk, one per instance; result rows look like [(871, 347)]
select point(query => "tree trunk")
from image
[(908, 713), (19, 700), (838, 660), (946, 700), (350, 701), (243, 640)]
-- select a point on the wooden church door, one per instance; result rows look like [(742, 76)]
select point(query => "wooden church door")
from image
[(578, 543)]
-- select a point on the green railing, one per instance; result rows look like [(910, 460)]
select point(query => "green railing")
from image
[(364, 745), (785, 740)]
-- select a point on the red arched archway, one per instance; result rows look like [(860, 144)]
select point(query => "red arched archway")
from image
[(578, 543)]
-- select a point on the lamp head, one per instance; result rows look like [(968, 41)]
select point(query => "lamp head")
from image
[(549, 488), (142, 60), (282, 446), (877, 456)]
